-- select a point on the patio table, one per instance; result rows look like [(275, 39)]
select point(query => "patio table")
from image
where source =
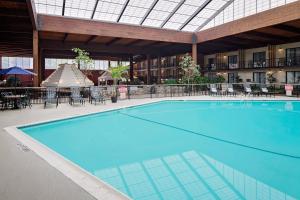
[(15, 99)]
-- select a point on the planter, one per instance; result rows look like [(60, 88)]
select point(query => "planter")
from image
[(114, 99)]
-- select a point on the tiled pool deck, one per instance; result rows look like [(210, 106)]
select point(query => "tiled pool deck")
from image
[(25, 175)]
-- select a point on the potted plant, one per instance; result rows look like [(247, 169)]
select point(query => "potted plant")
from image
[(117, 73)]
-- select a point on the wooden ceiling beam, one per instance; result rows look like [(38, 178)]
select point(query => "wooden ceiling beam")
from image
[(288, 28), (86, 27), (32, 13), (91, 39), (114, 40)]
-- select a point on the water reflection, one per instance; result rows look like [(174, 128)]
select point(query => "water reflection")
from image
[(190, 175)]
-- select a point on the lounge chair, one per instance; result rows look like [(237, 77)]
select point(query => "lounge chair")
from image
[(247, 89), (224, 87), (51, 96), (213, 89), (76, 96), (230, 90), (96, 95), (264, 90)]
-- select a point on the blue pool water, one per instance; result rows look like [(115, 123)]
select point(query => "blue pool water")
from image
[(187, 149)]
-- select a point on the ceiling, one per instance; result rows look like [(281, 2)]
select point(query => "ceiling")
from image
[(183, 15)]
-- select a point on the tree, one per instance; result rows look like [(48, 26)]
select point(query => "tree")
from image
[(118, 72), (189, 68), (83, 60)]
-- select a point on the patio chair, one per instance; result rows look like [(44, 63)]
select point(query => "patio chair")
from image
[(76, 96), (96, 95), (51, 96), (224, 88), (6, 103), (230, 90), (25, 101), (264, 90), (247, 89), (213, 89)]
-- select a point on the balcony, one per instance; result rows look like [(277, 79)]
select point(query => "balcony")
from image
[(250, 64)]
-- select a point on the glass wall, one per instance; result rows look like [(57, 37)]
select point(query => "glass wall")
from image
[(23, 62), (243, 8), (52, 63)]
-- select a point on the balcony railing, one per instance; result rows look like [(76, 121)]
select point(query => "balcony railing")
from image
[(252, 64)]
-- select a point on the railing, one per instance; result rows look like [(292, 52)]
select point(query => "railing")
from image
[(36, 94), (258, 64)]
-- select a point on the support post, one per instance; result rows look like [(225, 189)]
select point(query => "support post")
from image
[(194, 53), (159, 69), (131, 69), (148, 70), (36, 59)]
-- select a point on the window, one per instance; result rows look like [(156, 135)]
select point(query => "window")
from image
[(232, 62), (293, 56), (259, 77), (293, 77), (232, 77), (23, 62), (259, 59)]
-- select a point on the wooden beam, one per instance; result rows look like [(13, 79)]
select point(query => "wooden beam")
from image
[(194, 53), (35, 52), (282, 14), (86, 27), (114, 40), (148, 69), (93, 37), (65, 37), (54, 45), (288, 28), (32, 13), (133, 43)]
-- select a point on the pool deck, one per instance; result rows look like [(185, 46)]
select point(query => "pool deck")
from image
[(25, 175)]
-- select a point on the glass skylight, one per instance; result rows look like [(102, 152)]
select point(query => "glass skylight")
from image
[(185, 15)]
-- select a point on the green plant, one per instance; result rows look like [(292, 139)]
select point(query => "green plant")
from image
[(219, 79), (201, 80), (188, 68), (170, 81), (83, 60), (118, 72)]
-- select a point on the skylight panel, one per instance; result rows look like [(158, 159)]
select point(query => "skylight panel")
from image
[(109, 10), (166, 5), (190, 28), (171, 25), (216, 4), (135, 11), (152, 22), (79, 8), (53, 7)]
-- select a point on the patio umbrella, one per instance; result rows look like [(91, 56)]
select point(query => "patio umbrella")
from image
[(16, 71)]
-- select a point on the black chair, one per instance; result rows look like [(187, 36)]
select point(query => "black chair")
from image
[(76, 96), (96, 95), (51, 96)]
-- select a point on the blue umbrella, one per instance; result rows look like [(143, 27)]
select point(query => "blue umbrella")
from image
[(16, 71)]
